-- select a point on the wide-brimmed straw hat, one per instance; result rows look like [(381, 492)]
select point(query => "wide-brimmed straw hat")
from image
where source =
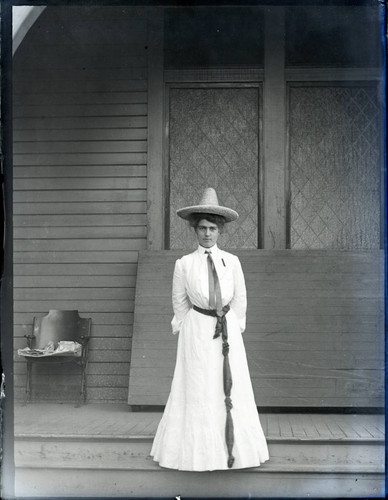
[(208, 205)]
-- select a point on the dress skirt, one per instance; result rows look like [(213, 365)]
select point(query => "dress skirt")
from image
[(191, 434)]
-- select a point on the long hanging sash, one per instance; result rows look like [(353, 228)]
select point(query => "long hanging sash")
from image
[(221, 329)]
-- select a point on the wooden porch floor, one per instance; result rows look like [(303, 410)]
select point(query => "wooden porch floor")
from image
[(103, 451), (116, 421)]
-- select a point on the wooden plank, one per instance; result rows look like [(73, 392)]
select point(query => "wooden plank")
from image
[(118, 368), (285, 426), (264, 285), (72, 98), (114, 394), (53, 85), (348, 431), (78, 195), (102, 232), (156, 189), (80, 159), (75, 269), (292, 307), (75, 293), (96, 134), (91, 306), (335, 429), (104, 395), (76, 220), (361, 431), (278, 267), (272, 365), (56, 79), (79, 123), (114, 381), (320, 359), (74, 257), (74, 282), (289, 257), (274, 319), (113, 356), (297, 333), (264, 422), (119, 207), (143, 398), (88, 183), (273, 429), (307, 424), (264, 289), (105, 332), (98, 318), (81, 110), (91, 146)]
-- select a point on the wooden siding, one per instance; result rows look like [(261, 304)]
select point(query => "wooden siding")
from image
[(314, 332), (80, 155)]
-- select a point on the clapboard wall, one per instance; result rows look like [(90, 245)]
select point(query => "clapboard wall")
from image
[(314, 335), (80, 115)]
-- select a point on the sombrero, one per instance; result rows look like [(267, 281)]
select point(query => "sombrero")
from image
[(208, 205)]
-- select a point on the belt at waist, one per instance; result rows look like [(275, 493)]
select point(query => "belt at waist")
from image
[(212, 312)]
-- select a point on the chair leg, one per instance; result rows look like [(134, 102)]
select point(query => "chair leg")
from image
[(27, 396), (83, 383), (82, 394)]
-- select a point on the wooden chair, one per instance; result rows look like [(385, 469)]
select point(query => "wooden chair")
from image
[(58, 326)]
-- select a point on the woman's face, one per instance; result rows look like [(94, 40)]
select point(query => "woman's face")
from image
[(207, 233)]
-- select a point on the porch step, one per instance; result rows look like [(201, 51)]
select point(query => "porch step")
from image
[(98, 466), (100, 451), (132, 453)]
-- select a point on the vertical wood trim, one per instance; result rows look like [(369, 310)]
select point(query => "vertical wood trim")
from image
[(166, 164), (6, 290), (274, 130), (155, 184)]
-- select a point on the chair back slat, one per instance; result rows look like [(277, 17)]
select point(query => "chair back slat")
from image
[(57, 326)]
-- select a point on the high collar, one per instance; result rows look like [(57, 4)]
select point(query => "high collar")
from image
[(214, 250)]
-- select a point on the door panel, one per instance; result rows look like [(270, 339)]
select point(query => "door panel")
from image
[(214, 142)]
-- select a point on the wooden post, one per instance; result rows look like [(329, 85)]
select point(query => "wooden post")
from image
[(274, 130), (155, 187), (6, 292)]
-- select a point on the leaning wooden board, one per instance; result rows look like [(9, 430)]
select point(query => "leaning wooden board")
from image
[(314, 332)]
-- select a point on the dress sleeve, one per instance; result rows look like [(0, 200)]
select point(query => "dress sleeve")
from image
[(180, 301), (239, 301)]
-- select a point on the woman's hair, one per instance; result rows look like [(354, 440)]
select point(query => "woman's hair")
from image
[(195, 218)]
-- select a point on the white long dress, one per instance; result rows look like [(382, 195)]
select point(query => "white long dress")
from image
[(191, 433)]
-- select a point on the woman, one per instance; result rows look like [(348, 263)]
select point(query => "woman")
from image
[(211, 420)]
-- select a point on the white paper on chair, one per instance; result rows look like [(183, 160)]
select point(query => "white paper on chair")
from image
[(64, 348)]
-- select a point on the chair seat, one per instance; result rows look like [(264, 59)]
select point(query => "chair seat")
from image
[(64, 348), (54, 359)]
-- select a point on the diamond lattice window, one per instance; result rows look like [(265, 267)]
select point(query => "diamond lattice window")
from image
[(214, 143), (334, 168)]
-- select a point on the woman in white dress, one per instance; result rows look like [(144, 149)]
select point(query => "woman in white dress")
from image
[(210, 421)]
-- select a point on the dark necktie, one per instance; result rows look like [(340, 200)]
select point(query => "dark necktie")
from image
[(215, 299)]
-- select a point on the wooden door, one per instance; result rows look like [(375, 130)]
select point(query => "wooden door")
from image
[(214, 142)]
